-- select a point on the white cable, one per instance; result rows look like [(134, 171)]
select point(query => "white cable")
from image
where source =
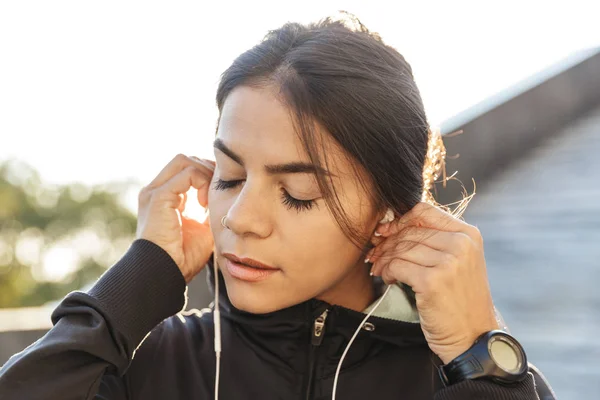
[(339, 367), (217, 324)]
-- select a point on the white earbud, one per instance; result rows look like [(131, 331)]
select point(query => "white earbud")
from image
[(389, 216)]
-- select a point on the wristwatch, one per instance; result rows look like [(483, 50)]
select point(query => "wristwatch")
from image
[(495, 355)]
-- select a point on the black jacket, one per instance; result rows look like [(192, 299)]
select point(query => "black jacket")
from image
[(128, 338)]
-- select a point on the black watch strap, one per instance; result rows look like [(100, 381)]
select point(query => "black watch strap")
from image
[(478, 361)]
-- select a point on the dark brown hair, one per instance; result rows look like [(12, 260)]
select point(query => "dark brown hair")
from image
[(344, 77)]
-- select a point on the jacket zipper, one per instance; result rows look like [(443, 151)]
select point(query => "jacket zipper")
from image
[(318, 332)]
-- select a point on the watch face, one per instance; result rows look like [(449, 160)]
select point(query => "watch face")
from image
[(505, 354)]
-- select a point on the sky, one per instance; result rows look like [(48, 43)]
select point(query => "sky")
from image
[(104, 91)]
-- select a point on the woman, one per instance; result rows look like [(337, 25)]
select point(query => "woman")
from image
[(316, 207)]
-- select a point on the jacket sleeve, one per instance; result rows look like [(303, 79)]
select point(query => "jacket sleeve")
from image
[(95, 334), (486, 390)]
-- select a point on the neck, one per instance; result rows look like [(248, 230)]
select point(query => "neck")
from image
[(355, 291)]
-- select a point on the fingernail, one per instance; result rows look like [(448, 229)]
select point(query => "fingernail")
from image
[(367, 260), (371, 273), (377, 234)]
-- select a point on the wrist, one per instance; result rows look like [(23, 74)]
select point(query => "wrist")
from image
[(453, 352), (452, 355), (140, 290)]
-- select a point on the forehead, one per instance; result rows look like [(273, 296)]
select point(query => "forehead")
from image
[(254, 119), (256, 124)]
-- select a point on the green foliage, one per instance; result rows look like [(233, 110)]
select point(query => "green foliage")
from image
[(57, 238)]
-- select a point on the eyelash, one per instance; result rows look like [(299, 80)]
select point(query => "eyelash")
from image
[(289, 201)]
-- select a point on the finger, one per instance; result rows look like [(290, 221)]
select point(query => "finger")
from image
[(377, 240), (202, 196), (210, 164), (414, 252), (405, 272), (183, 201), (180, 184), (427, 215), (448, 242), (388, 245), (204, 160), (374, 242), (190, 227), (177, 164), (207, 220)]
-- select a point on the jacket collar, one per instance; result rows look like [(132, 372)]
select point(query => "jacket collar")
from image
[(398, 304), (395, 321)]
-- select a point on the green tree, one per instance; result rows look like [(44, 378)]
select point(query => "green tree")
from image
[(57, 238)]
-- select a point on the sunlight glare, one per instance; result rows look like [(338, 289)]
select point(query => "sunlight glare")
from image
[(58, 263), (193, 209)]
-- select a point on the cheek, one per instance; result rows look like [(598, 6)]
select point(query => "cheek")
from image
[(322, 247), (325, 249)]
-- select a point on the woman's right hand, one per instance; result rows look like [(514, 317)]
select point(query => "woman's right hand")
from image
[(189, 242)]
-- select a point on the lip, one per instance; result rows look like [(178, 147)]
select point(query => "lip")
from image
[(247, 269), (247, 273), (247, 261)]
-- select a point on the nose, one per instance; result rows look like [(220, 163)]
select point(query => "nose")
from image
[(249, 214)]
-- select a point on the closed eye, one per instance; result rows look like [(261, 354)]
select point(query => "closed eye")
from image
[(289, 201)]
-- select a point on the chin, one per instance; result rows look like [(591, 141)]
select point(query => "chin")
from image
[(255, 299)]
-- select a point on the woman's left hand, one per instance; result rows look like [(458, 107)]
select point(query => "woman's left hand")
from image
[(441, 258)]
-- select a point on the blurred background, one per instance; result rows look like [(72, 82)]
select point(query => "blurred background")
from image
[(95, 98)]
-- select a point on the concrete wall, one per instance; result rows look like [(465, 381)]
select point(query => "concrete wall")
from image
[(12, 342), (505, 127), (21, 327)]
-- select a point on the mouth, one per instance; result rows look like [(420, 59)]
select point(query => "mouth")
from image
[(247, 269)]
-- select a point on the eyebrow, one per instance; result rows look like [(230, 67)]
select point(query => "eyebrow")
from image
[(288, 168)]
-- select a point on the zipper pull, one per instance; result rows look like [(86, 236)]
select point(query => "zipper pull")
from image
[(318, 329)]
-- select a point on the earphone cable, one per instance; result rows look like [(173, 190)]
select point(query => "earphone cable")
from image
[(339, 367), (217, 324)]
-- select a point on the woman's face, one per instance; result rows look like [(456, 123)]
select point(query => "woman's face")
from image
[(277, 216)]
